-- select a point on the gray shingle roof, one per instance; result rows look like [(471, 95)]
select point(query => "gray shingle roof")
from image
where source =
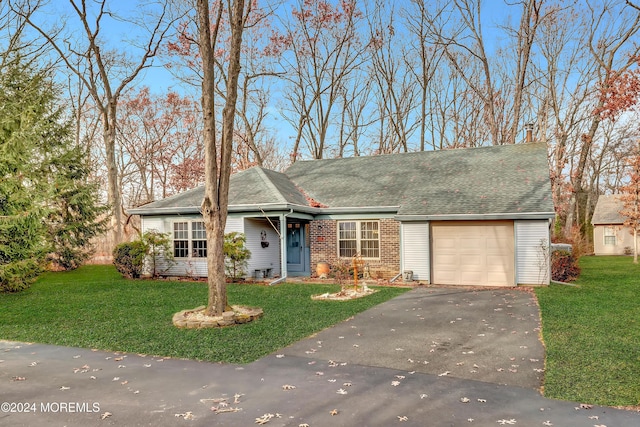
[(500, 180), (255, 186), (478, 181), (607, 210)]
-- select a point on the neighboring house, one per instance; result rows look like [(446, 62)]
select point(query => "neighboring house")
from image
[(478, 216), (610, 236)]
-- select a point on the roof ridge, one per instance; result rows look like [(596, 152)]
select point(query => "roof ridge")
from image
[(265, 178), (385, 156)]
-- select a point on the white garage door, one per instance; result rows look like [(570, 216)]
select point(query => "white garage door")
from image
[(473, 253)]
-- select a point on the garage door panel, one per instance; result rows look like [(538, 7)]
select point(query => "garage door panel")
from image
[(472, 262), (471, 245), (470, 277), (498, 245), (448, 277), (446, 243), (473, 253), (498, 261), (447, 260)]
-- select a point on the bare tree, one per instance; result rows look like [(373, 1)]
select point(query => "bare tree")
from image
[(395, 85), (103, 72), (610, 42), (218, 159), (324, 50), (424, 68)]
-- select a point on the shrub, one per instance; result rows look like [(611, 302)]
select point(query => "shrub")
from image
[(236, 254), (18, 276), (564, 267), (129, 258), (158, 251)]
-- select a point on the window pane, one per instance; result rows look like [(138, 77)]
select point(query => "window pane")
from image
[(181, 230), (348, 248), (610, 240), (347, 230), (198, 231), (370, 249), (180, 239), (199, 249), (369, 230), (180, 248)]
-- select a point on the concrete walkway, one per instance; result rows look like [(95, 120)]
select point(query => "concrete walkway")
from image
[(431, 357)]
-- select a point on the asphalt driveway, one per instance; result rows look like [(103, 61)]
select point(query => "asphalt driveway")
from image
[(431, 357)]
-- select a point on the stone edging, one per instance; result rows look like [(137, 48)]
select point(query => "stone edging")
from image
[(195, 319)]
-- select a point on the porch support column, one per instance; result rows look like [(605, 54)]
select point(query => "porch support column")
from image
[(283, 246)]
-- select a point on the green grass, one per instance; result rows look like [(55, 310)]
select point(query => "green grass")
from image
[(94, 307), (592, 334)]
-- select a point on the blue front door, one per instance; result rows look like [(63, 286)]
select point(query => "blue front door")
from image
[(295, 247)]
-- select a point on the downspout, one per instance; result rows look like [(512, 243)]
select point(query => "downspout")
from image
[(394, 278), (283, 249)]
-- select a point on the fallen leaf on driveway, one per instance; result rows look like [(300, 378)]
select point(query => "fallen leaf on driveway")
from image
[(186, 416), (105, 415)]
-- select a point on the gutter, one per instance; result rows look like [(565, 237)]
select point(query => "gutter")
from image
[(267, 207), (472, 217)]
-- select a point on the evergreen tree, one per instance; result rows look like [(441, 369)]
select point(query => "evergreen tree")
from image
[(47, 208)]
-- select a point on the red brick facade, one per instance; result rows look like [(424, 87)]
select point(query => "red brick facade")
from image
[(324, 247)]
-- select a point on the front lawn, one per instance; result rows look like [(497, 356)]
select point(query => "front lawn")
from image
[(94, 307), (592, 334)]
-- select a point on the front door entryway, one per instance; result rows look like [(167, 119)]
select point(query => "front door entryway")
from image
[(297, 248)]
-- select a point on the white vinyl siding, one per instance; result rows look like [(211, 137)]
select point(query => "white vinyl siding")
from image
[(262, 258), (359, 237), (189, 266), (415, 250), (152, 224), (532, 252)]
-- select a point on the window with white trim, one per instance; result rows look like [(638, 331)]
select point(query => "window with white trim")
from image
[(198, 240), (359, 237), (610, 236), (189, 239)]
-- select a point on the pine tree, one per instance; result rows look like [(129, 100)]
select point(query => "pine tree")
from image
[(47, 208)]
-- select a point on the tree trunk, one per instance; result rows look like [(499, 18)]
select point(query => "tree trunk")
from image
[(113, 187), (216, 198)]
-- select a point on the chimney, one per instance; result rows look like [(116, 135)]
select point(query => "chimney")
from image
[(529, 129)]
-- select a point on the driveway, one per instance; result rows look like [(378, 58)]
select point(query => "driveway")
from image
[(433, 356)]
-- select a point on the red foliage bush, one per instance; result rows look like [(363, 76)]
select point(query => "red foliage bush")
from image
[(564, 267)]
